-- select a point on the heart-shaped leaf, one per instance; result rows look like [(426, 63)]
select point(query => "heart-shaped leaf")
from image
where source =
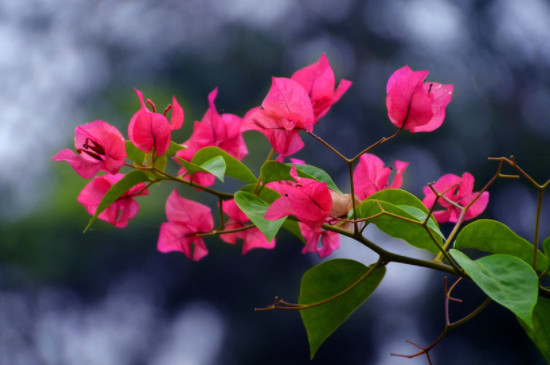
[(495, 237), (506, 279), (326, 280)]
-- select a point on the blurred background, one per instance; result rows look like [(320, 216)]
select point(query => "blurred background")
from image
[(108, 297)]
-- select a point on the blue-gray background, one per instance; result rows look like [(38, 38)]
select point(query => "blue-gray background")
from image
[(108, 297)]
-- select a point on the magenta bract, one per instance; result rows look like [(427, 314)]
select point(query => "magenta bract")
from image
[(458, 190), (285, 111), (223, 131), (150, 130), (419, 106), (99, 146), (308, 200), (252, 237), (122, 210), (318, 80), (370, 175), (330, 241), (186, 218)]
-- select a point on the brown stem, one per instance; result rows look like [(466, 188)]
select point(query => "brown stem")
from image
[(540, 188), (222, 195), (334, 150), (259, 184), (378, 143), (352, 187), (448, 325), (465, 209)]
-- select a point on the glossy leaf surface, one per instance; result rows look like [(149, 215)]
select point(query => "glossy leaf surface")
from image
[(215, 166), (326, 280), (255, 209), (234, 168), (506, 279), (400, 224), (495, 237)]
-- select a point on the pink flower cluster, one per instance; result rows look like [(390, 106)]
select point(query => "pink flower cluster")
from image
[(292, 105), (415, 105), (457, 192), (186, 219), (371, 176), (310, 201), (252, 237), (295, 104), (223, 131), (101, 146)]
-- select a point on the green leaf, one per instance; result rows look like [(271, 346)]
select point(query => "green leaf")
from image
[(269, 196), (540, 332), (293, 227), (276, 171), (234, 168), (255, 208), (160, 163), (315, 173), (135, 154), (413, 233), (410, 203), (399, 197), (326, 280), (495, 237), (421, 217), (506, 279), (215, 166), (174, 147), (266, 194), (122, 186)]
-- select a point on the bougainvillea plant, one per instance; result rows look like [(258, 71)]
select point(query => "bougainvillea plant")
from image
[(304, 200)]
